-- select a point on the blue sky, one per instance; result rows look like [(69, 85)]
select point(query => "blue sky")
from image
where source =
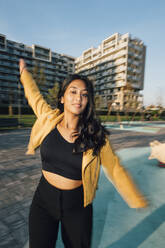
[(70, 26)]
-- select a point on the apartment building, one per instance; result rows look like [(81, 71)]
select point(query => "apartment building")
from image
[(116, 68), (54, 66)]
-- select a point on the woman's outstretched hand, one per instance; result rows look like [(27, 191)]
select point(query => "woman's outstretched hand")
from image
[(22, 65)]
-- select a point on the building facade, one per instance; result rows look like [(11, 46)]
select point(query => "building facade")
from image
[(116, 68), (54, 67)]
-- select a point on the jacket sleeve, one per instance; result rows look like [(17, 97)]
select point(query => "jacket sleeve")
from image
[(33, 95), (120, 178)]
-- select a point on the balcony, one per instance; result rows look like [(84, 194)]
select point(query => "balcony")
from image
[(135, 78), (56, 55), (118, 76), (121, 68), (87, 55), (120, 54), (120, 84), (120, 61), (10, 58), (8, 71), (96, 56), (59, 63), (2, 47), (109, 44), (11, 78), (16, 52), (108, 50), (124, 44)]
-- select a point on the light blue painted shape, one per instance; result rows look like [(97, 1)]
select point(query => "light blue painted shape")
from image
[(118, 226), (136, 126)]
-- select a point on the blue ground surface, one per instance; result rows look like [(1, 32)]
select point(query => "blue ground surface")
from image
[(137, 126), (118, 226)]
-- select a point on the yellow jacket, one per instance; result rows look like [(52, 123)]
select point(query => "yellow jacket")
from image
[(47, 119)]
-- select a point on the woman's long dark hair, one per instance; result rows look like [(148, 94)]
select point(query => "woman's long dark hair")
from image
[(91, 133)]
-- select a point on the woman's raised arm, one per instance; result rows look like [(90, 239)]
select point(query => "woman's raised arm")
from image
[(120, 178), (32, 93)]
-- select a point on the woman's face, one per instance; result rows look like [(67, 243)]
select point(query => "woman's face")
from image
[(75, 98)]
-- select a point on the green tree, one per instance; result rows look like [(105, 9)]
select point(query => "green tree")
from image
[(39, 76), (109, 107), (98, 101), (136, 108), (10, 107), (35, 72), (42, 79), (52, 95), (131, 101)]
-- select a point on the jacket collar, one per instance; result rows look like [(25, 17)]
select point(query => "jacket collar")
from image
[(87, 158), (59, 118)]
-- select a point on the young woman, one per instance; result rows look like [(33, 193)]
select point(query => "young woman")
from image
[(73, 145)]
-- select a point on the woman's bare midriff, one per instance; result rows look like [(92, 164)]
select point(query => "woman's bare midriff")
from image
[(60, 181)]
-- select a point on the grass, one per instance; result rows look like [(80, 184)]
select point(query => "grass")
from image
[(114, 118), (23, 120), (28, 120)]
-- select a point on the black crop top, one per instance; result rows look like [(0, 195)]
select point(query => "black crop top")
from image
[(57, 156)]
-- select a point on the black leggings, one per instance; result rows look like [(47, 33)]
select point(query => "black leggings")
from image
[(51, 206)]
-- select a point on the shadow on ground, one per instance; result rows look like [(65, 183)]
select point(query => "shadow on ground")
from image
[(118, 226), (137, 235)]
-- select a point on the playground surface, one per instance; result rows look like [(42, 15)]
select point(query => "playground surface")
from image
[(115, 224), (146, 127)]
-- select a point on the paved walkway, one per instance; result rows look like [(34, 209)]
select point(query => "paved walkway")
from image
[(115, 225)]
